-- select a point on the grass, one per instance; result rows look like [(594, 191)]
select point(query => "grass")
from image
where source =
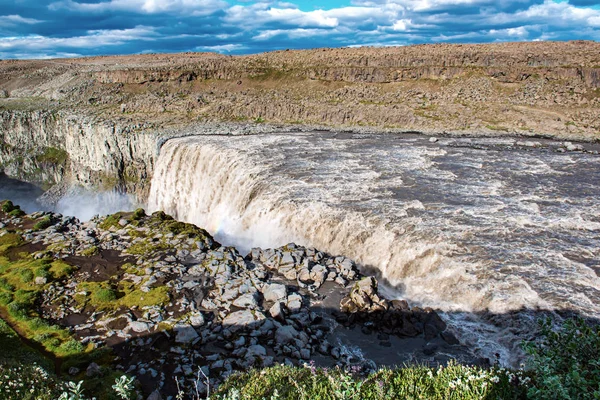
[(23, 371), (105, 296), (19, 294), (454, 381), (9, 241)]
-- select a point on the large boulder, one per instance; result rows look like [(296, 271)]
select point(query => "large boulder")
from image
[(242, 320), (274, 292)]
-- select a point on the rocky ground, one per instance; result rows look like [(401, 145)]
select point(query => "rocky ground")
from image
[(159, 299), (541, 88)]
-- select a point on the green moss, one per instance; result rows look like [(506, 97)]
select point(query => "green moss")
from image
[(138, 214), (8, 206), (112, 221), (91, 251), (155, 297), (147, 247), (8, 241), (17, 213), (52, 155), (59, 269), (103, 296), (43, 223)]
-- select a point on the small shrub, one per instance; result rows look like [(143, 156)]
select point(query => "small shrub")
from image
[(17, 213), (43, 223), (18, 310), (5, 298), (103, 295), (566, 361), (5, 285), (8, 206), (138, 214), (26, 275), (71, 347)]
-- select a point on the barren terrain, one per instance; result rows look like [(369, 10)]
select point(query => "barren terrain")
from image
[(538, 88)]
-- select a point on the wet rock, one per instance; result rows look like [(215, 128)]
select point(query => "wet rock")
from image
[(286, 334), (449, 337)]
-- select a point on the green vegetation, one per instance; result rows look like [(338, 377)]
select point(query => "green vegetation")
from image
[(497, 128), (411, 382), (43, 223), (91, 251), (19, 294), (105, 296), (9, 241), (23, 371), (112, 221), (52, 155), (566, 362)]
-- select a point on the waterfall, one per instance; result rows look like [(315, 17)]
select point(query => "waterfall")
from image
[(249, 203)]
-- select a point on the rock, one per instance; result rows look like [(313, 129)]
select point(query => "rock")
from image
[(294, 302), (433, 139), (93, 370), (247, 300), (274, 292), (73, 371), (245, 319), (449, 337), (430, 349), (256, 351), (185, 333), (155, 396), (3, 94), (138, 326), (318, 274), (305, 354), (41, 280), (276, 311), (197, 319), (286, 334)]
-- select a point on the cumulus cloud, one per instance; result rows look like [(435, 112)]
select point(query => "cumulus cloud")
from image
[(41, 28)]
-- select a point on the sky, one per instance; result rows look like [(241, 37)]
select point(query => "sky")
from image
[(75, 28)]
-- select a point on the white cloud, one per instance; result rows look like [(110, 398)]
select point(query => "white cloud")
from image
[(291, 33), (94, 38), (11, 20), (193, 7), (226, 48)]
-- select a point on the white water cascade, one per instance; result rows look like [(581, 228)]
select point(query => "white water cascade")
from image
[(450, 227)]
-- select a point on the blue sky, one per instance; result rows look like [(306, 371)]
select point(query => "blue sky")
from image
[(71, 28)]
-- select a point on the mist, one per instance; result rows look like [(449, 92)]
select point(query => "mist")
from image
[(77, 202), (85, 204)]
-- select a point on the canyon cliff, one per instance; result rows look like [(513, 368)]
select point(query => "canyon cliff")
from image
[(99, 121)]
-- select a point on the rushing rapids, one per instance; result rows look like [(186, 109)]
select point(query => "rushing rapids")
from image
[(494, 226)]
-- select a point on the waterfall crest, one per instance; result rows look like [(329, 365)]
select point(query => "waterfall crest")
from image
[(253, 204)]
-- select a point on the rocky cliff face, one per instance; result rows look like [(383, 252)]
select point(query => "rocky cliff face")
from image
[(50, 147), (550, 88), (86, 121)]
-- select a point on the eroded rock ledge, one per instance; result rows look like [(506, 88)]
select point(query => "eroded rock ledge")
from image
[(158, 298)]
